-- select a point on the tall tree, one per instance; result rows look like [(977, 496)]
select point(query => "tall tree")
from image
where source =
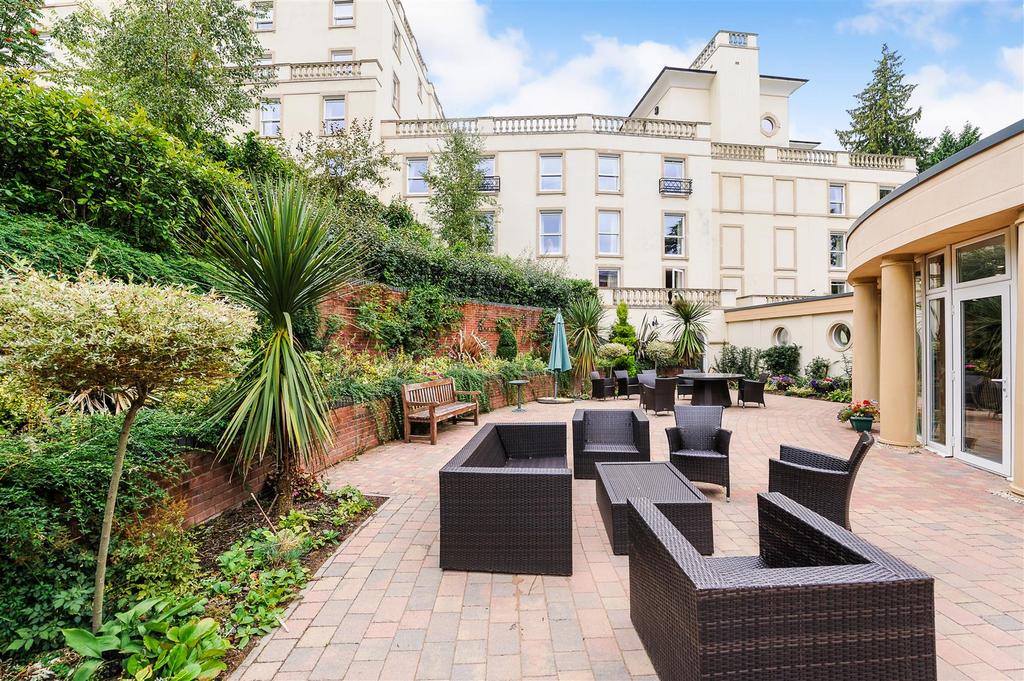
[(456, 203), (883, 122), (277, 252), (347, 159), (190, 64), (21, 45), (948, 144)]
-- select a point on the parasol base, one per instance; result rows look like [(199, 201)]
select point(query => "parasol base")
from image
[(554, 400)]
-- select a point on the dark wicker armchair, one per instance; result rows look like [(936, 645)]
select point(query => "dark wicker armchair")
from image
[(657, 394), (821, 482), (817, 604), (600, 435), (752, 391), (626, 385), (686, 384), (506, 502), (699, 447), (601, 387)]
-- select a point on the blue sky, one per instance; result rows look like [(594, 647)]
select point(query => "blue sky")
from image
[(547, 56)]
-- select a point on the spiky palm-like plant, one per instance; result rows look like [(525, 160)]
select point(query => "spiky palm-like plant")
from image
[(583, 316), (277, 252), (690, 325)]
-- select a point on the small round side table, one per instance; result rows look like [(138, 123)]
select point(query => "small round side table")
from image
[(519, 394)]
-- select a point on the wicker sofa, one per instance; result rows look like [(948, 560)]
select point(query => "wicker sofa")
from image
[(817, 604), (608, 435), (506, 502), (821, 482)]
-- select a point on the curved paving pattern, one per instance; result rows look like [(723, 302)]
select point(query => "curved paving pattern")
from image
[(381, 608)]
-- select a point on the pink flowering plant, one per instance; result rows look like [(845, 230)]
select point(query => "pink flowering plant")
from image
[(862, 408)]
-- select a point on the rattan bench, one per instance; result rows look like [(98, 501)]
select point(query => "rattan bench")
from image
[(436, 401)]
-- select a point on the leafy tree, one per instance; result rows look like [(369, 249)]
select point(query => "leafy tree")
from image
[(660, 352), (456, 203), (883, 123), (190, 64), (689, 323), (948, 144), (622, 331), (123, 342), (348, 159), (21, 45), (275, 251)]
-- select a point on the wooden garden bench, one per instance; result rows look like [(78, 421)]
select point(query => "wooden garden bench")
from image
[(436, 401)]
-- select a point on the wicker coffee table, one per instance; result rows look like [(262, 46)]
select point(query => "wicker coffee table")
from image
[(674, 495)]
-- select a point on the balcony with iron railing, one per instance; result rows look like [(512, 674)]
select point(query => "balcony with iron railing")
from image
[(675, 186), (490, 184)]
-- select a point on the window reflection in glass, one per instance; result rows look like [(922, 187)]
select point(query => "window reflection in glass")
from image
[(981, 260), (936, 338), (982, 367)]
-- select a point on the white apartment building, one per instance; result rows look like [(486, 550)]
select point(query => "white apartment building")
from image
[(699, 191)]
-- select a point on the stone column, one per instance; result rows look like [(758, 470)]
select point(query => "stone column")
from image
[(865, 339), (897, 366), (1017, 382)]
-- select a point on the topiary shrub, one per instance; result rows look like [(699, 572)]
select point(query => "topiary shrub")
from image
[(782, 360), (660, 353), (508, 346), (622, 331)]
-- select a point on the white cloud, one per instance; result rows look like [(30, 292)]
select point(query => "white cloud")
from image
[(949, 98), (480, 71), (921, 20)]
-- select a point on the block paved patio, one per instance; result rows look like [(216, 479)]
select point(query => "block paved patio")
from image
[(381, 608)]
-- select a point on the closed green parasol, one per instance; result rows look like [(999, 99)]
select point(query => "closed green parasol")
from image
[(559, 360)]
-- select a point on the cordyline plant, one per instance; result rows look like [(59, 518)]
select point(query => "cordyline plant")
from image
[(689, 320), (119, 341), (277, 252)]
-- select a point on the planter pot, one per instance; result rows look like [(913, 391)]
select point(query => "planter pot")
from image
[(862, 424)]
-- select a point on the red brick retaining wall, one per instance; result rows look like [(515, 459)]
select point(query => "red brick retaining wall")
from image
[(477, 317), (214, 486)]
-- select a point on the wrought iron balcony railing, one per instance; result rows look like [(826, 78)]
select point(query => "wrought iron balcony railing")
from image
[(490, 183), (675, 186)]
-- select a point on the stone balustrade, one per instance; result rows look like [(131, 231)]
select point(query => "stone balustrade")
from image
[(737, 152), (552, 124), (819, 157), (661, 297), (810, 156)]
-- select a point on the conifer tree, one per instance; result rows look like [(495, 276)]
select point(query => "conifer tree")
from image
[(948, 144), (883, 122)]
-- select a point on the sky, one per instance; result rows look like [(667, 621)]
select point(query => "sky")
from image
[(518, 57)]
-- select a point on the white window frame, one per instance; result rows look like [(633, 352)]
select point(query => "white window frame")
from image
[(419, 89), (617, 176), (396, 41), (332, 126), (264, 120), (339, 51), (490, 224), (842, 283), (617, 233), (268, 6), (677, 275), (841, 204), (410, 178), (265, 59), (833, 252), (346, 22), (560, 234), (396, 90), (542, 174), (665, 237), (887, 188), (617, 271)]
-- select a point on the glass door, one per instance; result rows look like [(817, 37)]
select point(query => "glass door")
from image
[(981, 390)]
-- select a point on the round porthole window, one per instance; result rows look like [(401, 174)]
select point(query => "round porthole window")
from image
[(768, 126), (840, 337), (780, 336)]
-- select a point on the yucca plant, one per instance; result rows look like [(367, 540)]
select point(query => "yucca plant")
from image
[(583, 316), (690, 325), (277, 252)]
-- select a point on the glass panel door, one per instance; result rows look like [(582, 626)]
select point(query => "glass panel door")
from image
[(982, 322), (935, 356)]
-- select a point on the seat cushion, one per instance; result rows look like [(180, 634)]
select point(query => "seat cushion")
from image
[(609, 448), (537, 462), (699, 454)]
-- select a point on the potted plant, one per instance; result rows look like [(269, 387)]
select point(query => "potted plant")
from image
[(861, 415)]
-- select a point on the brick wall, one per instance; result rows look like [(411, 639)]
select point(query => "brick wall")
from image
[(477, 317), (214, 486)]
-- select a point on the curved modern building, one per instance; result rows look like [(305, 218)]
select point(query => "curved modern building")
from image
[(936, 274)]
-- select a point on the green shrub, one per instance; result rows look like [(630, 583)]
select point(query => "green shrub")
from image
[(622, 331), (797, 391), (817, 368), (412, 323), (840, 396), (155, 557), (782, 360), (739, 360), (65, 155), (508, 346), (52, 246)]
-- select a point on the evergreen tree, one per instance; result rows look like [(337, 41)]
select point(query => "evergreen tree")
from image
[(622, 331), (883, 123), (456, 203), (21, 45), (948, 144)]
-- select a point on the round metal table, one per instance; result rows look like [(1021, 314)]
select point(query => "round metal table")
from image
[(711, 389), (519, 393)]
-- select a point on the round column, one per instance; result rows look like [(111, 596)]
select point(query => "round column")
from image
[(897, 366), (865, 339)]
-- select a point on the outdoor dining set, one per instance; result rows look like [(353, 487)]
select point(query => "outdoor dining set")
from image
[(816, 602), (659, 393)]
